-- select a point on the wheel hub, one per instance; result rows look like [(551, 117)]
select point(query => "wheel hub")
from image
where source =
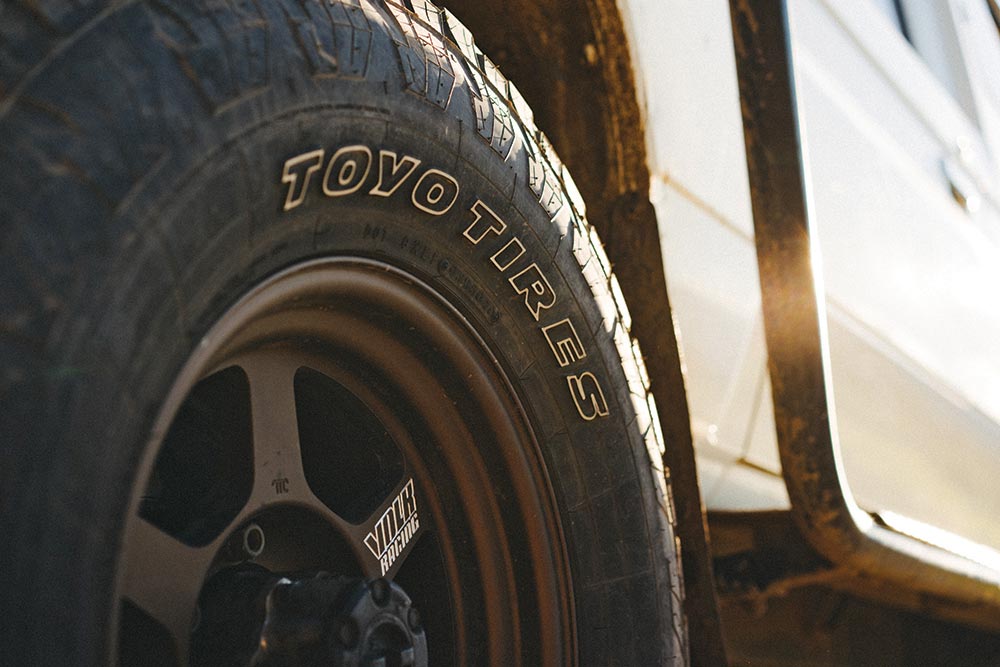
[(342, 621), (307, 620)]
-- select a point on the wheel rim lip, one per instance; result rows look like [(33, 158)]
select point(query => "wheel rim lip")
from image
[(312, 279)]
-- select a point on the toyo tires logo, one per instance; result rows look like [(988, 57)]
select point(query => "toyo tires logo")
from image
[(434, 192)]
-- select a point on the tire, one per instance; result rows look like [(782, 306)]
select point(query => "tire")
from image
[(353, 188)]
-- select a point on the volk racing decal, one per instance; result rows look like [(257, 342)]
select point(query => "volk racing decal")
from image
[(394, 529)]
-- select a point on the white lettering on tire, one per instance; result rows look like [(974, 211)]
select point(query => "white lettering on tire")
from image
[(434, 193), (587, 395), (312, 161), (392, 171), (350, 174)]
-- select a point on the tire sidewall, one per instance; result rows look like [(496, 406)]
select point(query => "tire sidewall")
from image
[(208, 221)]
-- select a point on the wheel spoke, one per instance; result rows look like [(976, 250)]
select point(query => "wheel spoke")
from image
[(162, 576), (391, 531), (278, 474)]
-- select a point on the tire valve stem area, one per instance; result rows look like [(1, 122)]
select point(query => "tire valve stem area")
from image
[(243, 546)]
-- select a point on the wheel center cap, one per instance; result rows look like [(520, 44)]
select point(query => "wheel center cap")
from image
[(340, 621)]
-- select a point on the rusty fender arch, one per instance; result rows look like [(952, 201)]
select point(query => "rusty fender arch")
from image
[(798, 352)]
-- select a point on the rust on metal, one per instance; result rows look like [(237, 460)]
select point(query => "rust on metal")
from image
[(896, 567)]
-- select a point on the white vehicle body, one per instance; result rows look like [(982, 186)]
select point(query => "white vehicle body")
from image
[(895, 134)]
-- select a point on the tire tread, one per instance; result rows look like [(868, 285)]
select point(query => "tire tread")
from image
[(224, 61)]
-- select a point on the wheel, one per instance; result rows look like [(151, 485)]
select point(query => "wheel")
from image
[(310, 354)]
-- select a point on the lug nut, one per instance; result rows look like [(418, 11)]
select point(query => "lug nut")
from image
[(279, 594), (413, 619), (381, 592), (347, 632)]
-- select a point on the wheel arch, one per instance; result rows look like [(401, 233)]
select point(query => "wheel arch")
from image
[(560, 53)]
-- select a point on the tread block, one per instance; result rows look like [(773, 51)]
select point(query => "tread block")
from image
[(193, 34), (335, 38), (428, 65)]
